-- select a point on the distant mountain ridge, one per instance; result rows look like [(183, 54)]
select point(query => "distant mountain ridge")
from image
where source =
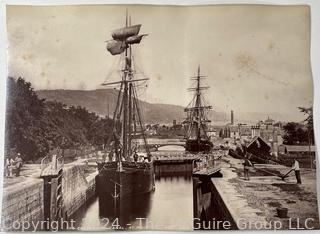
[(98, 101)]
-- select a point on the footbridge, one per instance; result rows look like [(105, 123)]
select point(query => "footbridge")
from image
[(155, 144)]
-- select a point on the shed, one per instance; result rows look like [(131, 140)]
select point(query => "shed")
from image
[(296, 149), (259, 147)]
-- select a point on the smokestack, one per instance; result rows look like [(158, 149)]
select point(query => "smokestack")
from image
[(232, 121)]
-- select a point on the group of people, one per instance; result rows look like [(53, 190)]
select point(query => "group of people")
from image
[(140, 158), (295, 167), (112, 156), (13, 165), (247, 164)]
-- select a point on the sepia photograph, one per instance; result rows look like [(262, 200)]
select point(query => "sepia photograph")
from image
[(159, 117)]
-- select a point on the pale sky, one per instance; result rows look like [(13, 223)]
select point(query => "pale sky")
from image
[(257, 58)]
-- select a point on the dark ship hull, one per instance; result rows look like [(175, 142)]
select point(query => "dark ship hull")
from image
[(134, 178), (124, 195), (198, 145)]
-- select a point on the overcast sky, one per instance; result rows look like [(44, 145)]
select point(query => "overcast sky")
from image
[(257, 58)]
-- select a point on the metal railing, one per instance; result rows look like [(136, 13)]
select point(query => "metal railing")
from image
[(208, 161), (60, 162), (45, 162), (204, 163), (53, 164)]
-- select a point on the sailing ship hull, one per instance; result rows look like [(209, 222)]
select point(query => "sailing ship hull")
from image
[(198, 145), (124, 195), (134, 178)]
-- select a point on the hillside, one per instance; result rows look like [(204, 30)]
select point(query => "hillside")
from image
[(98, 101)]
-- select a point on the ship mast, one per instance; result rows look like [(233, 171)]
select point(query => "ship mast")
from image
[(198, 103), (127, 69), (197, 110), (127, 101)]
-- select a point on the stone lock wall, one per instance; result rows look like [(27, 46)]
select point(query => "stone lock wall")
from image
[(23, 203), (76, 189), (208, 204)]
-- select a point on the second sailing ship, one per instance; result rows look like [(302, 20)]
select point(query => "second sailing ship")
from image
[(197, 136)]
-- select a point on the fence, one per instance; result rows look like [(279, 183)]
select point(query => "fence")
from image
[(209, 161)]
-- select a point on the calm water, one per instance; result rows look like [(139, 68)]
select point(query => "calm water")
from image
[(171, 148), (169, 207)]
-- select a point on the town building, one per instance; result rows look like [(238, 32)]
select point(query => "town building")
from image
[(297, 150)]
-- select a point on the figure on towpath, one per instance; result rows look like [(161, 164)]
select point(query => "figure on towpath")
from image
[(296, 168), (247, 164)]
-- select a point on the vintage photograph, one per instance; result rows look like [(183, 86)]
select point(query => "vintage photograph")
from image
[(145, 117)]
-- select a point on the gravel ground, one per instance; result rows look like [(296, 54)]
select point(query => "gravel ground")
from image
[(272, 193)]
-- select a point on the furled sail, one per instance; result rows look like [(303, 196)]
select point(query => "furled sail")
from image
[(116, 47), (124, 37), (126, 32), (134, 39)]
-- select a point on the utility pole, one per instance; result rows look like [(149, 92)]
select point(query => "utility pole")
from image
[(309, 143), (108, 109)]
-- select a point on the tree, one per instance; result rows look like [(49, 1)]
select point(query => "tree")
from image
[(102, 130), (295, 133), (308, 111), (35, 126), (23, 114), (98, 130), (62, 128)]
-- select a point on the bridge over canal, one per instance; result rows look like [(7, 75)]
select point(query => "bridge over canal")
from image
[(155, 143)]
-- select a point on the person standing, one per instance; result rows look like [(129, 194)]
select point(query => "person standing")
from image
[(296, 169), (9, 167), (135, 157), (110, 156), (247, 164), (6, 167), (104, 156), (18, 164)]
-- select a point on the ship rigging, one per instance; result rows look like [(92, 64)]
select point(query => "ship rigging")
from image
[(124, 170), (197, 136)]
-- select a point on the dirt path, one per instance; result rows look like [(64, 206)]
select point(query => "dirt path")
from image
[(267, 193)]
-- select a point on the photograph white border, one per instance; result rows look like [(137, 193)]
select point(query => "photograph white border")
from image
[(315, 54)]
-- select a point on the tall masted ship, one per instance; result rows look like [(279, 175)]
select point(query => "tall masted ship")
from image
[(124, 172), (197, 136)]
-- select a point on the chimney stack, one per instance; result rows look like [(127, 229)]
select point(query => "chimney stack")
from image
[(232, 121)]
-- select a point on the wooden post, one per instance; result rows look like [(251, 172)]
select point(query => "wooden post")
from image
[(47, 200), (196, 184)]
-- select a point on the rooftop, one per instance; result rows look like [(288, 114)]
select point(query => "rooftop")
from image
[(299, 148)]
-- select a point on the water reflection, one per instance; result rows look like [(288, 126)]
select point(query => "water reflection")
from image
[(127, 210), (171, 148), (169, 207), (174, 170)]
